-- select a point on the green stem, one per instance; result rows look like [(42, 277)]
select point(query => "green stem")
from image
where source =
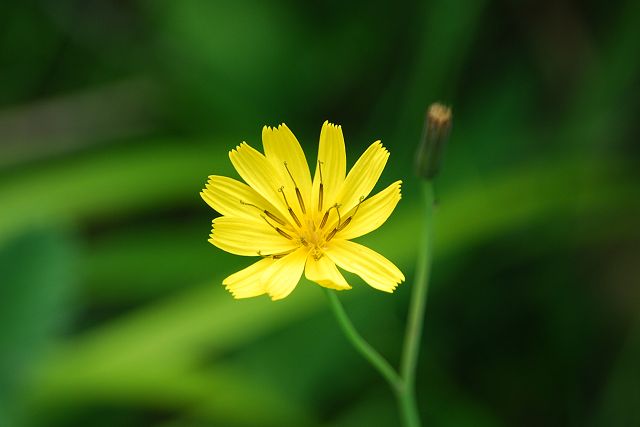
[(363, 347), (415, 321), (408, 408), (403, 385)]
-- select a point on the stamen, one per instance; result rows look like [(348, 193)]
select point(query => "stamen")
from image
[(273, 217), (289, 172), (321, 192), (344, 224), (300, 201), (326, 215), (333, 233), (348, 220), (266, 212), (293, 215), (283, 234), (298, 195), (278, 229), (324, 218), (242, 202), (274, 256)]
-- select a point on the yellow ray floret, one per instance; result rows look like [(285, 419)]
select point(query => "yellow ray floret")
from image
[(297, 224)]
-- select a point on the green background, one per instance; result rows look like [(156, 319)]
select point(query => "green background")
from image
[(112, 115)]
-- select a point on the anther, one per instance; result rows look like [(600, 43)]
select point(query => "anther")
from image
[(344, 224), (266, 212), (298, 195), (293, 215), (321, 191), (273, 217), (326, 215), (300, 201), (278, 229), (324, 218), (283, 234), (333, 233), (274, 256), (348, 220)]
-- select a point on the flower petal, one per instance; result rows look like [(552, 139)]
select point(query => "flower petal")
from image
[(325, 273), (234, 198), (284, 274), (259, 173), (372, 213), (281, 147), (372, 267), (246, 282), (332, 164), (363, 176), (249, 237)]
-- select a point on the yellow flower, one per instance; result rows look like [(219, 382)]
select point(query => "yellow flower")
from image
[(295, 224)]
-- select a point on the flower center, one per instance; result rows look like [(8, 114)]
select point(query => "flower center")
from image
[(314, 238), (308, 233)]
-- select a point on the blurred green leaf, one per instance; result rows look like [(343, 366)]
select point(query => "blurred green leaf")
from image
[(38, 271), (107, 185)]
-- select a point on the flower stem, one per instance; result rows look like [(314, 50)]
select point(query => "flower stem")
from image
[(403, 384), (418, 301), (363, 347)]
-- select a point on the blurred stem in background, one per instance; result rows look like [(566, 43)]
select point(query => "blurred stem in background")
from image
[(416, 313), (429, 157)]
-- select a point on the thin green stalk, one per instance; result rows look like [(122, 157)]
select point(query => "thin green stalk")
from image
[(418, 301), (408, 408), (403, 384), (363, 347)]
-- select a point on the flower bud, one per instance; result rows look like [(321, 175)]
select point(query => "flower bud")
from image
[(435, 134)]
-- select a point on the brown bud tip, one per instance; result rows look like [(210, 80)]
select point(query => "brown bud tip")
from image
[(439, 116), (434, 137)]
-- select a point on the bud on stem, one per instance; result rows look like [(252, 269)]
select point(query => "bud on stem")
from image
[(435, 134)]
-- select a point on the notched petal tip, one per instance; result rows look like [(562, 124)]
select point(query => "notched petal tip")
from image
[(331, 125), (267, 131), (242, 146), (237, 295)]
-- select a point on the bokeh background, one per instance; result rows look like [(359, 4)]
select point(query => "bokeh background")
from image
[(113, 114)]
